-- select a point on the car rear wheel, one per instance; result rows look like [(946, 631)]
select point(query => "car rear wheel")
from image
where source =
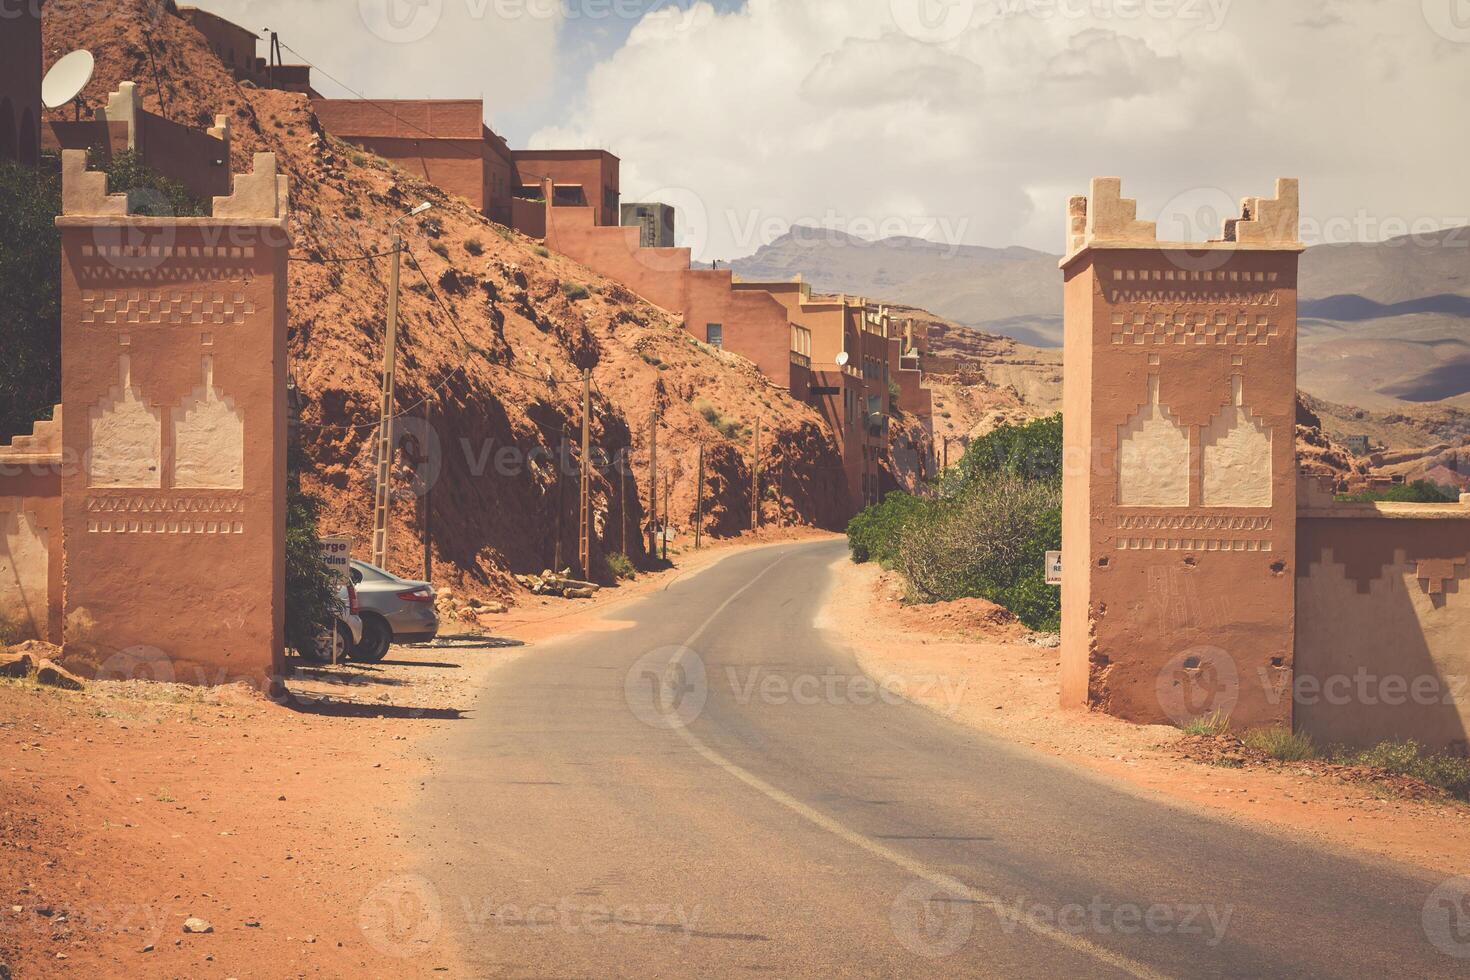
[(320, 652), (377, 637)]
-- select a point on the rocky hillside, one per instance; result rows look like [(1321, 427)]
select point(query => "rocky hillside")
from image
[(495, 333)]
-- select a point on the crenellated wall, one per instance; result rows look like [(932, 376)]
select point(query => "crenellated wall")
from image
[(173, 382), (30, 533), (1383, 615), (1179, 515)]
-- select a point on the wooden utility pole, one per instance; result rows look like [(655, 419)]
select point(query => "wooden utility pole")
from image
[(699, 503), (623, 501), (755, 481), (428, 496), (664, 530), (584, 525), (385, 415), (653, 481), (561, 499)]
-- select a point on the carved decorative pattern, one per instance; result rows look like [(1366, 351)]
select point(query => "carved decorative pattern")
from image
[(1153, 456), (159, 264), (1191, 544), (1191, 522), (1435, 574), (173, 306), (1200, 329)]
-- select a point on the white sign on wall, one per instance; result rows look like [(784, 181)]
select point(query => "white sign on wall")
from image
[(1053, 568)]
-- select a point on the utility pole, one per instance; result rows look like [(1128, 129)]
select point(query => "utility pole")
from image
[(664, 531), (428, 499), (562, 457), (584, 527), (755, 481), (623, 500), (385, 407), (699, 503), (653, 481)]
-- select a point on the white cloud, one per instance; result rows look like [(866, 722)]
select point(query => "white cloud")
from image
[(502, 50), (825, 111)]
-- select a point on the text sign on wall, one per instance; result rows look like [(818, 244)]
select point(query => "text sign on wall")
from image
[(337, 553), (1053, 568)]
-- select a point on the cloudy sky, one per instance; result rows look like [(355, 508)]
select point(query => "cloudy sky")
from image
[(963, 121)]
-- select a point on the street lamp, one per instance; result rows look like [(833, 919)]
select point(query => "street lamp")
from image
[(385, 426)]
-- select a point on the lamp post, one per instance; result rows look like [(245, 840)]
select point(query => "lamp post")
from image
[(385, 425)]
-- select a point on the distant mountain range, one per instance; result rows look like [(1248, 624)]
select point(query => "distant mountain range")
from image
[(1384, 326)]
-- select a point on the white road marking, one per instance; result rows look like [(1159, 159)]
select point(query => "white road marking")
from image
[(994, 903)]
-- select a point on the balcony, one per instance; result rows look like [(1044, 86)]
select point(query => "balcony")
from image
[(801, 360)]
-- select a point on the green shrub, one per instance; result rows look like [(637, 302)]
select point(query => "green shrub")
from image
[(1032, 451), (1281, 743), (542, 251), (989, 542), (30, 295), (474, 246), (574, 291), (440, 249), (728, 428), (620, 566), (1214, 723), (151, 194), (311, 588), (1450, 773), (875, 534), (1418, 492)]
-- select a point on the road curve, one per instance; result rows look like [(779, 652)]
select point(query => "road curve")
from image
[(718, 790)]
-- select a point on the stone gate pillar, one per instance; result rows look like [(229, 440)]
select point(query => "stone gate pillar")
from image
[(173, 346), (1179, 512)]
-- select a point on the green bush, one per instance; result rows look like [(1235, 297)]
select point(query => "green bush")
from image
[(874, 534), (574, 291), (30, 295), (1450, 773), (311, 588), (990, 542), (620, 566), (1418, 492), (149, 193), (474, 246), (728, 428), (1214, 723), (1032, 452), (1281, 743), (542, 251)]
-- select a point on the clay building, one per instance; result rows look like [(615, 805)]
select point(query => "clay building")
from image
[(236, 47), (579, 179), (20, 82)]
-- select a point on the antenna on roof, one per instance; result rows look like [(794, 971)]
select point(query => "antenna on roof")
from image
[(66, 79)]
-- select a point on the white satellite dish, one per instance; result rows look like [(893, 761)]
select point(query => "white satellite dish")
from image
[(66, 79), (842, 359)]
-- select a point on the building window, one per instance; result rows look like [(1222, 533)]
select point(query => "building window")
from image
[(714, 334)]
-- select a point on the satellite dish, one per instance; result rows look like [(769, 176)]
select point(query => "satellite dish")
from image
[(66, 79), (842, 359)]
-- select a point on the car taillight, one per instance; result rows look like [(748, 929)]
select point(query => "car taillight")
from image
[(421, 594), (352, 605)]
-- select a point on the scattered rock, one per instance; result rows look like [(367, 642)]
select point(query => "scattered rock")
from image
[(16, 665), (51, 675), (148, 948), (1047, 641), (558, 583), (197, 926)]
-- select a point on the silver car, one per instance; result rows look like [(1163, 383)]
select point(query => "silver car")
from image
[(348, 632), (393, 610)]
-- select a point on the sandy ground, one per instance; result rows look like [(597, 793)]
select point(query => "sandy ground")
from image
[(132, 806), (990, 679)]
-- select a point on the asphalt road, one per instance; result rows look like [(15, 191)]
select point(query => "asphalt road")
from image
[(718, 791)]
